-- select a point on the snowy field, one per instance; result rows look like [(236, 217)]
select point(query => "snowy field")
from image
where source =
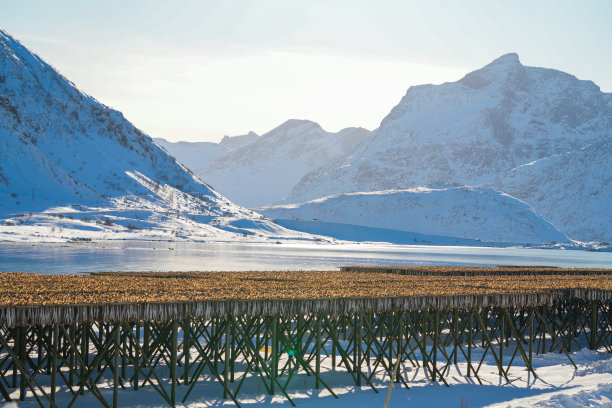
[(558, 385)]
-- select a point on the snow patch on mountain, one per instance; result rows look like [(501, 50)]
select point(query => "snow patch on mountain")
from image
[(450, 211), (573, 190)]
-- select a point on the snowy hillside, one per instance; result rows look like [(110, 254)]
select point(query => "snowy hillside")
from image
[(573, 190), (264, 170), (61, 151), (452, 211), (471, 131)]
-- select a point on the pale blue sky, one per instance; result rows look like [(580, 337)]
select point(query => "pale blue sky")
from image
[(198, 70)]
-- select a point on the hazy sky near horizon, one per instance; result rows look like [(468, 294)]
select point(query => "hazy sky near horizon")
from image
[(198, 70)]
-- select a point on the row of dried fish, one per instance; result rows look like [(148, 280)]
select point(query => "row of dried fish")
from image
[(17, 289), (476, 271)]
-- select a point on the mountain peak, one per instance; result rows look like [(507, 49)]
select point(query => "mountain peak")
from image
[(298, 122), (506, 59), (293, 125), (234, 142), (499, 70)]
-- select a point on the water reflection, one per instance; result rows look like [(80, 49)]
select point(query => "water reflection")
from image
[(173, 256)]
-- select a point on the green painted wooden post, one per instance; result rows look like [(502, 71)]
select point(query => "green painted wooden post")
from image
[(456, 333), (267, 340), (594, 318), (469, 353), (137, 357), (390, 341), (317, 351), (531, 335), (213, 331), (228, 357), (72, 360), (15, 334), (116, 368), (543, 316), (40, 332), (173, 361), (357, 336), (186, 348), (146, 339), (485, 319), (424, 329), (400, 341), (333, 346), (54, 351), (23, 358), (84, 352), (300, 325), (233, 352), (502, 332), (436, 341), (124, 361), (370, 318), (274, 353), (48, 339)]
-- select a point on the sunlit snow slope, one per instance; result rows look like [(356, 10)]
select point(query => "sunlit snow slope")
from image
[(573, 190), (60, 148), (453, 211)]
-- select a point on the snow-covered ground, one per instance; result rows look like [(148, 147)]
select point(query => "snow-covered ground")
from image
[(140, 219), (452, 211), (558, 385)]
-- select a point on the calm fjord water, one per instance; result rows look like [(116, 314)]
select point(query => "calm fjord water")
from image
[(176, 256)]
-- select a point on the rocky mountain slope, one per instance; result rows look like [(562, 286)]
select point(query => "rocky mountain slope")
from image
[(573, 190), (471, 131), (452, 211), (60, 148)]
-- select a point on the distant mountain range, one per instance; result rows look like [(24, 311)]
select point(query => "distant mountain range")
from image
[(67, 162), (508, 153), (255, 171), (538, 135)]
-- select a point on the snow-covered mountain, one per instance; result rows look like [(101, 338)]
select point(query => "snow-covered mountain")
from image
[(471, 131), (61, 150), (573, 190), (234, 142), (265, 169), (196, 155), (452, 211), (192, 154)]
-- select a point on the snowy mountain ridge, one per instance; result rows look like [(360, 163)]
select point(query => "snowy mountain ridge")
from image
[(471, 131), (265, 169), (254, 170), (540, 135), (62, 149)]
